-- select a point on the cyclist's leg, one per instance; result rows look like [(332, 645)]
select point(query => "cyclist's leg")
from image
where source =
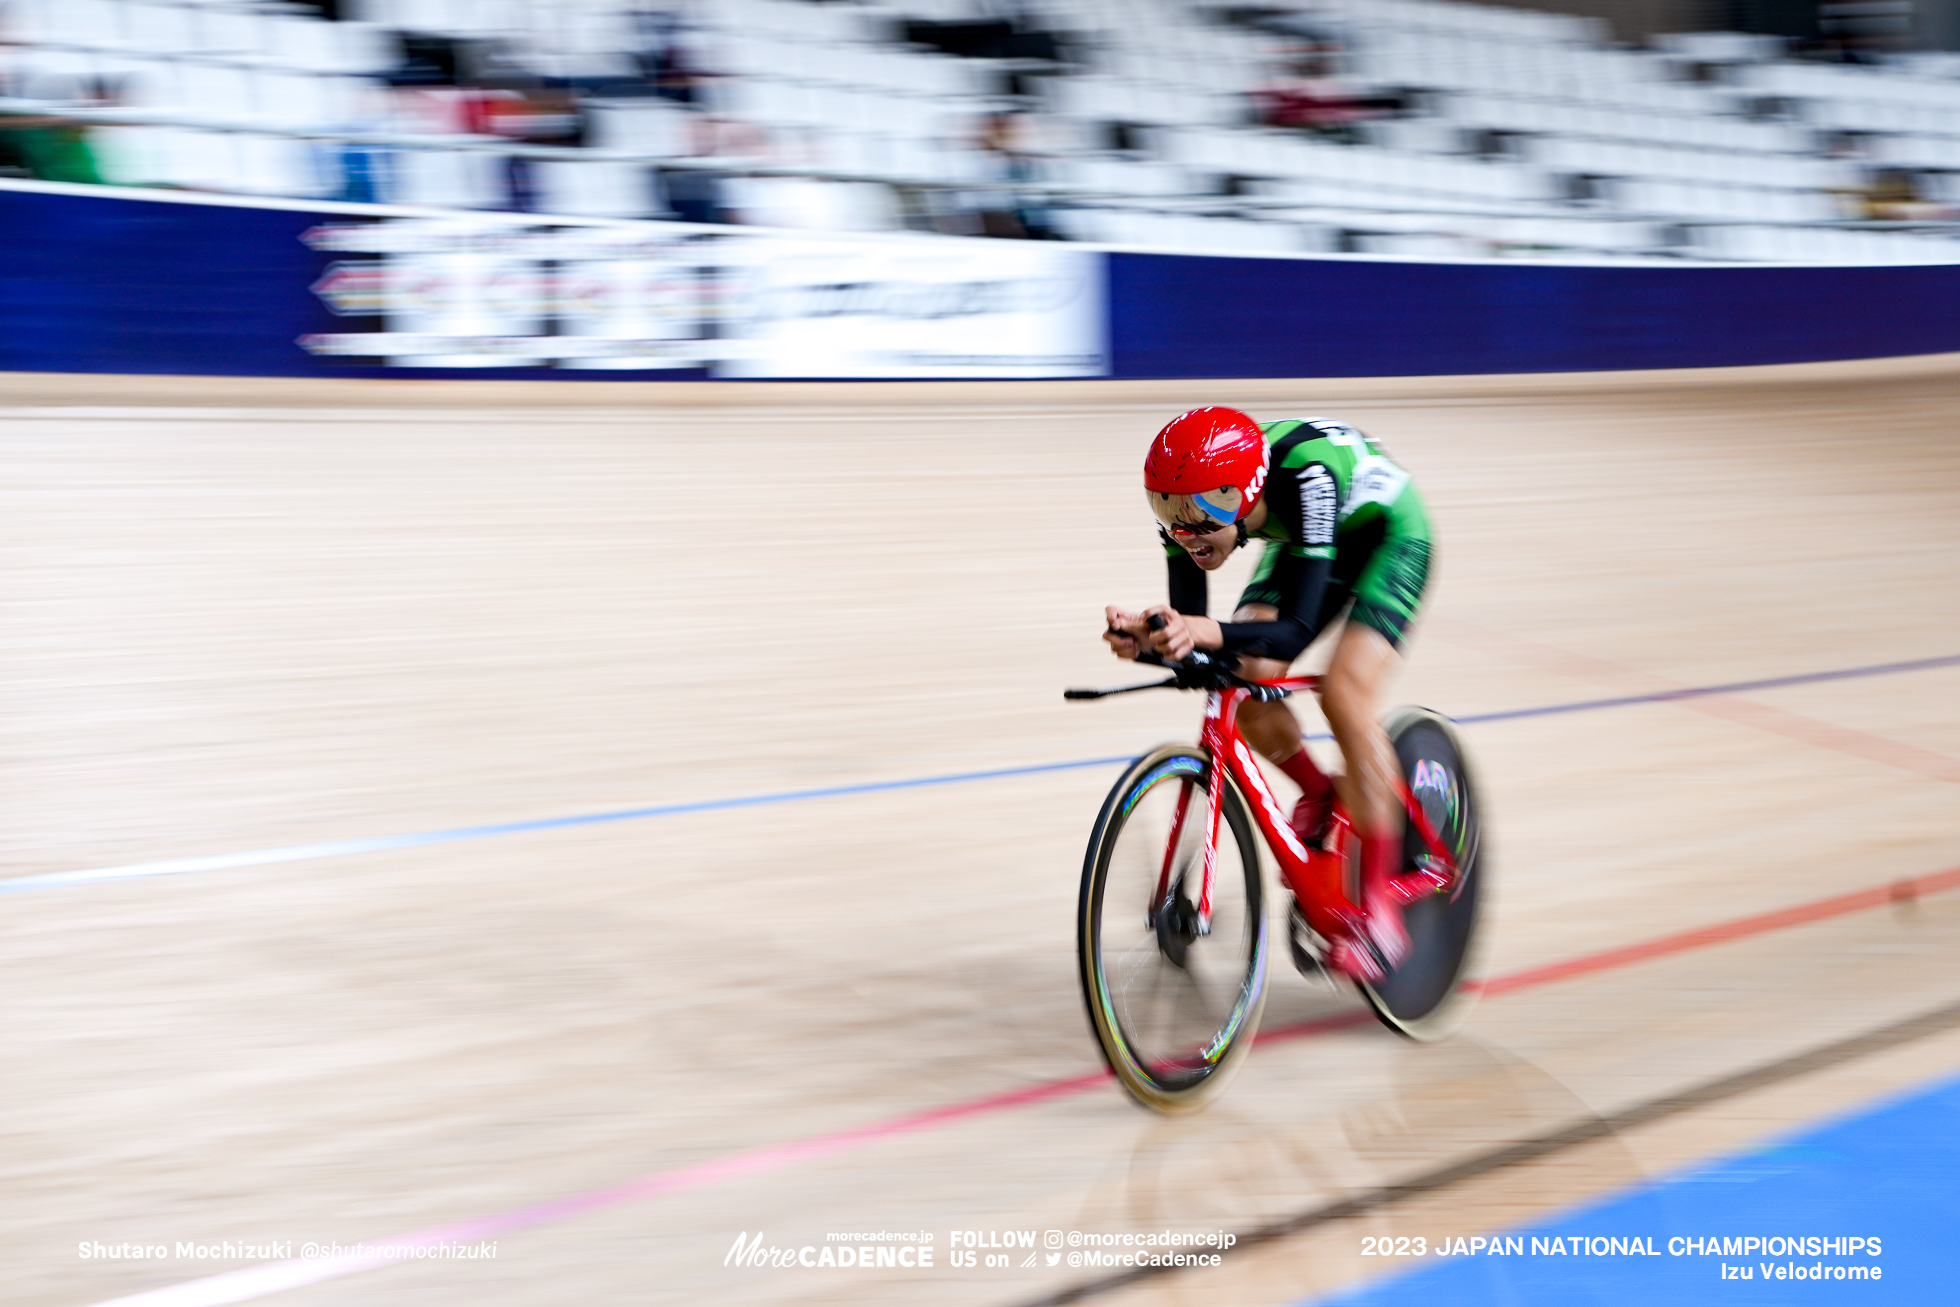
[(1274, 731), (1361, 667), (1386, 596), (1271, 728)]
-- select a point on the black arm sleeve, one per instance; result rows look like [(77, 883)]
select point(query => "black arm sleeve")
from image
[(1187, 588), (1302, 583)]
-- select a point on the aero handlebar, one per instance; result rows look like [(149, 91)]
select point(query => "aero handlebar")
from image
[(1197, 670)]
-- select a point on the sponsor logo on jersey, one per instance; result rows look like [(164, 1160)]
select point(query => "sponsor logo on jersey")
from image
[(1335, 433), (1317, 505), (1347, 437), (1375, 480)]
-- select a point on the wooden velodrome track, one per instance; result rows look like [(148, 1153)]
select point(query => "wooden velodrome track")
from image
[(243, 616)]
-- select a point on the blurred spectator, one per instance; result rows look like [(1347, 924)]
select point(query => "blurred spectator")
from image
[(665, 56), (1861, 31), (703, 194), (1894, 195), (544, 117), (693, 196), (428, 61), (547, 116), (365, 175), (46, 148), (1307, 94), (1004, 157)]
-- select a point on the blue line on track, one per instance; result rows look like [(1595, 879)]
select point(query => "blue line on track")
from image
[(1704, 691), (383, 843)]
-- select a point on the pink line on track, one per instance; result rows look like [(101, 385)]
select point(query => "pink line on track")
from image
[(1723, 932), (261, 1281)]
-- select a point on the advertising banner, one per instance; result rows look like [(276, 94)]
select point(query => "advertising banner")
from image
[(914, 308), (470, 292), (460, 293)]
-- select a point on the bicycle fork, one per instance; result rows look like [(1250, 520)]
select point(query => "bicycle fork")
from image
[(1216, 705), (1166, 886)]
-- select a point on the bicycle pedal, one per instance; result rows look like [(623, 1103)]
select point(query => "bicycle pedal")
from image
[(1360, 958), (1417, 885), (1308, 948)]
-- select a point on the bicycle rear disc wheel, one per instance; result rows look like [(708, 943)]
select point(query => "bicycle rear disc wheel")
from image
[(1173, 1001), (1424, 997)]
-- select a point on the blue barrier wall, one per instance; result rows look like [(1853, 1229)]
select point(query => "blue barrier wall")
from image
[(109, 285), (103, 283), (1174, 316)]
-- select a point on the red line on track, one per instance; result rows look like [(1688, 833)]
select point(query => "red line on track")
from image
[(1782, 919), (260, 1281)]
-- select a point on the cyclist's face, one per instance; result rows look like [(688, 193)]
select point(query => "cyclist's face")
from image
[(1201, 524), (1209, 550)]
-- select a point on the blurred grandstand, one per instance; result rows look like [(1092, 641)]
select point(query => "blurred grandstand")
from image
[(1401, 127)]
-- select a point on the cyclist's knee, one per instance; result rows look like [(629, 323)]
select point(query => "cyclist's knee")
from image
[(1263, 669), (1255, 717), (1270, 728), (1345, 690), (1349, 707), (1362, 660)]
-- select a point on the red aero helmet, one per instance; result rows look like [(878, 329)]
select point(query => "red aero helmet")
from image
[(1212, 460)]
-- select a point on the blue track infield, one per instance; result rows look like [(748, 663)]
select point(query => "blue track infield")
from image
[(1888, 1176), (383, 843)]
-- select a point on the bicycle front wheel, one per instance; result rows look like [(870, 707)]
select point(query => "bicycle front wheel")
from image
[(1173, 997)]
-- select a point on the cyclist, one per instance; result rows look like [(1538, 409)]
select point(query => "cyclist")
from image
[(1343, 528)]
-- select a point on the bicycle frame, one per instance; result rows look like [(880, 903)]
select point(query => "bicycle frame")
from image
[(1317, 877)]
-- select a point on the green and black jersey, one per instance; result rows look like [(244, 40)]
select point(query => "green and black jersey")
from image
[(1343, 521)]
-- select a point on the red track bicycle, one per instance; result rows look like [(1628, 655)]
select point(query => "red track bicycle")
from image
[(1172, 926)]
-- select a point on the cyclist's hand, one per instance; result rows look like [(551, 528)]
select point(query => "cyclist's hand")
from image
[(1124, 632), (1173, 639)]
